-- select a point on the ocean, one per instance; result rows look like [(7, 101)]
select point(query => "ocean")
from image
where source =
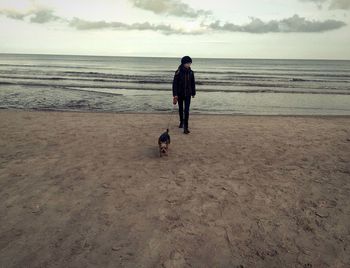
[(144, 84)]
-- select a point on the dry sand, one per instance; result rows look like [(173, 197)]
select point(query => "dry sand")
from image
[(89, 190)]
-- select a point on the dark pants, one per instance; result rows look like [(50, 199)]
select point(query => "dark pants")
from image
[(187, 100)]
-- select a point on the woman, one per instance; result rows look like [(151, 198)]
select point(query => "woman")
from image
[(184, 88)]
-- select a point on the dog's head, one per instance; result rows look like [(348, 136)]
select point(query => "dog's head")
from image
[(163, 147)]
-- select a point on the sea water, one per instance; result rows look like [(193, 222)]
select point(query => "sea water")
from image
[(144, 84)]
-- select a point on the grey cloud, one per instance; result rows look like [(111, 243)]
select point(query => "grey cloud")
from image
[(292, 24), (36, 15), (333, 4), (319, 3), (43, 16), (170, 7), (314, 1), (80, 24), (13, 14), (340, 4)]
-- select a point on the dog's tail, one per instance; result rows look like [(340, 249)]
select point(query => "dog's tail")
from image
[(167, 130)]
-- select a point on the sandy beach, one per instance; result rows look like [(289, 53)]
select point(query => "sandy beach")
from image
[(81, 189)]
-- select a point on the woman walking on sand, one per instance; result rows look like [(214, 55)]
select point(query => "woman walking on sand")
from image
[(184, 87)]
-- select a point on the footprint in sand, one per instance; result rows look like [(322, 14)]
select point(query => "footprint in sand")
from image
[(176, 260), (181, 177)]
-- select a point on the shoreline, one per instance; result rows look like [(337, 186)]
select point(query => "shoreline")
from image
[(169, 112)]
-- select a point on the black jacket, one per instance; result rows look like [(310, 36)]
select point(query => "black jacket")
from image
[(184, 82)]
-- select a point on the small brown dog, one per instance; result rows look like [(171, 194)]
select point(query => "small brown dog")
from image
[(163, 142)]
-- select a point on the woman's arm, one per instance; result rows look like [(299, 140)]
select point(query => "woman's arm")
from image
[(175, 84), (193, 83)]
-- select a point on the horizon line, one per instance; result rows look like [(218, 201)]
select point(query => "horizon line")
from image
[(175, 57)]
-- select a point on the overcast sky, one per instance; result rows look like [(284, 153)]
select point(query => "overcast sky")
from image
[(289, 29)]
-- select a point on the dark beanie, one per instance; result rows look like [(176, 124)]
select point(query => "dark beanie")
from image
[(186, 59)]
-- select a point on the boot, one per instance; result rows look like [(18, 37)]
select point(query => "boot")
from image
[(181, 124), (186, 131)]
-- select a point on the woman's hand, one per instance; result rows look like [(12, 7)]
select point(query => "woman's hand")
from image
[(175, 100)]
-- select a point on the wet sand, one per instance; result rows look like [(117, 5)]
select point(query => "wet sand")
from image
[(90, 190)]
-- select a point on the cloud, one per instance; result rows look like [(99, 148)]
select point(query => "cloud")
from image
[(314, 1), (12, 14), (319, 3), (80, 24), (340, 4), (288, 25), (44, 16), (170, 7), (333, 4), (36, 15), (257, 26)]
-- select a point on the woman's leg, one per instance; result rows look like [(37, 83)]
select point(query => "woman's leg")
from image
[(181, 108), (187, 111)]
